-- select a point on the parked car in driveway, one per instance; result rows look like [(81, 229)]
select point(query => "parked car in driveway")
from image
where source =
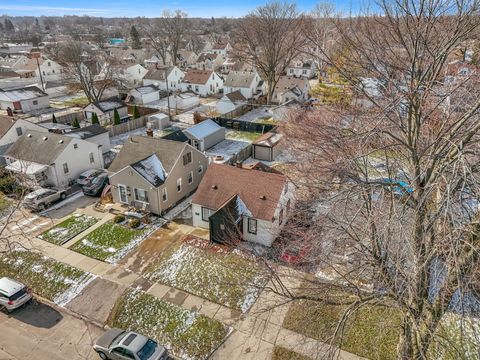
[(117, 344), (13, 294), (96, 186), (41, 198), (88, 176)]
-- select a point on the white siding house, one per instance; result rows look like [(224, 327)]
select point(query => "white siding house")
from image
[(202, 82), (51, 159)]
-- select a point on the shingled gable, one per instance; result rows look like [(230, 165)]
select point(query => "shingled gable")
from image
[(258, 190), (38, 147), (197, 76), (137, 152)]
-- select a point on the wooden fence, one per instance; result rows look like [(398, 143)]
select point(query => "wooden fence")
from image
[(128, 126)]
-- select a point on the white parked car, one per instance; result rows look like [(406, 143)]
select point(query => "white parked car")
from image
[(41, 198), (88, 176), (13, 294)]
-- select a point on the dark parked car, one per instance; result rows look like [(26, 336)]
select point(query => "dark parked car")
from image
[(96, 185)]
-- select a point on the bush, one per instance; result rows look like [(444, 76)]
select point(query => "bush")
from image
[(118, 218), (134, 223)]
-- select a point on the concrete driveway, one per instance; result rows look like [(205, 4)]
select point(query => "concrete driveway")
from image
[(38, 331)]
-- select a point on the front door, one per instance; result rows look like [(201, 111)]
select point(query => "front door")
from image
[(122, 191)]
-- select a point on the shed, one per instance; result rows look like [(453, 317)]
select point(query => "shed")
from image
[(205, 134), (159, 120), (266, 146)]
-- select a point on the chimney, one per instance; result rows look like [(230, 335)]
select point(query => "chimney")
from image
[(150, 132)]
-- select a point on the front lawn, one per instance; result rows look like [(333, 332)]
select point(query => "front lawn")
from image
[(371, 332), (242, 135), (47, 277), (109, 242), (213, 272), (68, 229), (187, 334)]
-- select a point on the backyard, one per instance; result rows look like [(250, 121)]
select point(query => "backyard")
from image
[(213, 272), (110, 242), (48, 278), (187, 334), (68, 229), (242, 135)]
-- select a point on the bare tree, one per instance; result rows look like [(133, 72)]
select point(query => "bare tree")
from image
[(167, 33), (90, 71), (269, 38), (320, 30), (397, 171)]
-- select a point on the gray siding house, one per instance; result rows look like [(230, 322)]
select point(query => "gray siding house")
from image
[(205, 134), (153, 174)]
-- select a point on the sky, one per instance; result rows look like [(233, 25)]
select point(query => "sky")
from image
[(147, 8)]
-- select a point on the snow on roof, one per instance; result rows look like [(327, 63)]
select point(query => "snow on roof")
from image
[(203, 129), (108, 105), (151, 168), (26, 93), (147, 89)]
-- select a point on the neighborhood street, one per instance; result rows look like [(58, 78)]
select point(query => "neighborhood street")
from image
[(38, 331)]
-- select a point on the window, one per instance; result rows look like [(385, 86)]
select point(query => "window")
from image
[(304, 72), (196, 88), (286, 188), (288, 206), (49, 63), (122, 192), (92, 159), (252, 226), (35, 102), (187, 158), (200, 168), (65, 168), (141, 195), (291, 71), (164, 194), (280, 217), (19, 131), (206, 213), (75, 146), (179, 184), (43, 72), (190, 177)]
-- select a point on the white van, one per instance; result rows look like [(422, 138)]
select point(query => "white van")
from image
[(13, 294)]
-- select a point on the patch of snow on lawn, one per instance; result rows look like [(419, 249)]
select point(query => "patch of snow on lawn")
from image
[(74, 290), (120, 253)]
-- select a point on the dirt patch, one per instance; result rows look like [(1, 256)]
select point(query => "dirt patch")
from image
[(97, 300), (141, 258)]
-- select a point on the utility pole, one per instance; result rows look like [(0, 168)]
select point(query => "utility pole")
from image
[(168, 95), (39, 71)]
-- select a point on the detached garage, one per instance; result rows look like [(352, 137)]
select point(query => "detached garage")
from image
[(205, 135), (266, 146)]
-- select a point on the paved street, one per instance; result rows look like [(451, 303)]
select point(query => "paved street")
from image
[(40, 332)]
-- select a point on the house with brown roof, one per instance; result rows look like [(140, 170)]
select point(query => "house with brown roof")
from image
[(153, 174), (202, 82), (238, 204)]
